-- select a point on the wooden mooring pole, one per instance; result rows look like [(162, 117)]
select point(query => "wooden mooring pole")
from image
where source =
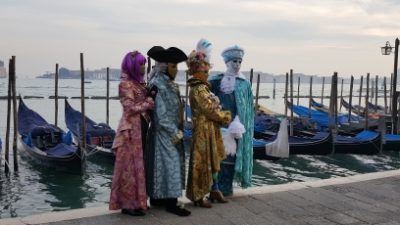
[(108, 96), (360, 96), (82, 148), (394, 88), (274, 89), (310, 98), (15, 119), (333, 103), (391, 92), (385, 95), (7, 141), (298, 90), (322, 91), (291, 100), (350, 98), (286, 94), (366, 103), (341, 95), (251, 76), (56, 96), (376, 93), (257, 91)]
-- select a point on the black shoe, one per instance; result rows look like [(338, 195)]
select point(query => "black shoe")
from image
[(157, 202), (133, 212), (178, 210)]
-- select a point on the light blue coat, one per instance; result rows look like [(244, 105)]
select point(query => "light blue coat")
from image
[(164, 160)]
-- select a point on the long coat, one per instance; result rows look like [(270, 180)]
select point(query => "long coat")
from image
[(165, 160), (242, 105), (128, 190), (207, 146)]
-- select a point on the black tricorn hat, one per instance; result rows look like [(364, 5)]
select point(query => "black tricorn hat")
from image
[(170, 55)]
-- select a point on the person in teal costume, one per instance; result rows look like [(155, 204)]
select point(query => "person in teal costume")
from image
[(165, 156), (235, 94)]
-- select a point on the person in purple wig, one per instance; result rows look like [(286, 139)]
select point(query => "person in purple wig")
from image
[(128, 190), (133, 65)]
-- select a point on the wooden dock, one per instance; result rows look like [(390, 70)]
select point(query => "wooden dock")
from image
[(372, 198)]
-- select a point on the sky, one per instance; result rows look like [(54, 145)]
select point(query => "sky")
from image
[(314, 37)]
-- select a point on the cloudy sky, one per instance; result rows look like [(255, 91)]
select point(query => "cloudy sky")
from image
[(308, 36)]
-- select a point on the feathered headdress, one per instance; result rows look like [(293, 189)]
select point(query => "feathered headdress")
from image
[(199, 59)]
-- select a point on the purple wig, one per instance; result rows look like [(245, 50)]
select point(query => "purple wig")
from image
[(131, 66)]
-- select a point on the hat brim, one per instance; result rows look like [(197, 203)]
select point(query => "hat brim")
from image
[(170, 55)]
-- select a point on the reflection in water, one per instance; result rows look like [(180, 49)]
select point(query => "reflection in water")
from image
[(308, 168), (36, 189)]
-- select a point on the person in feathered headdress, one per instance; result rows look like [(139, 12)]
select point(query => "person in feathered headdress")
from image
[(207, 147), (235, 94)]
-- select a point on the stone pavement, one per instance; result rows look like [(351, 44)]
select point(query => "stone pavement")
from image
[(362, 199)]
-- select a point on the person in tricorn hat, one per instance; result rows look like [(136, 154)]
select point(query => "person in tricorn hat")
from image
[(207, 146), (235, 94), (128, 190), (165, 158)]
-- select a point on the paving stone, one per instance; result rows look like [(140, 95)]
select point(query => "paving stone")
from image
[(366, 216), (252, 203), (389, 223), (341, 218), (319, 221), (366, 199)]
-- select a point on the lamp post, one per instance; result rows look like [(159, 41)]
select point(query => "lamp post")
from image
[(386, 50)]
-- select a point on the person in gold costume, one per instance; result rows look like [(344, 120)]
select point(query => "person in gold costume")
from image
[(207, 147)]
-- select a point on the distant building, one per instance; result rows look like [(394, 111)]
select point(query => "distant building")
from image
[(3, 71)]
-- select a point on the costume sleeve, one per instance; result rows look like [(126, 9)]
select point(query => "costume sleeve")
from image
[(163, 120), (207, 107), (130, 104)]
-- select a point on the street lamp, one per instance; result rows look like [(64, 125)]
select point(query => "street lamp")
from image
[(386, 50)]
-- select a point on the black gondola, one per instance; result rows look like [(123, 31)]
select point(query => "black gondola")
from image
[(366, 143), (47, 144), (319, 107), (100, 136), (319, 143)]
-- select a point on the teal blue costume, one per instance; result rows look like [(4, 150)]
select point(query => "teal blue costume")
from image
[(239, 102), (165, 161)]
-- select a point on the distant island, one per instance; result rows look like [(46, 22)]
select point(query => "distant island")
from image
[(101, 74)]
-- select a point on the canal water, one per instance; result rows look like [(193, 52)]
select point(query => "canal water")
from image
[(35, 189)]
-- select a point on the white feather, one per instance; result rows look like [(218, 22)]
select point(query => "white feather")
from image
[(204, 46)]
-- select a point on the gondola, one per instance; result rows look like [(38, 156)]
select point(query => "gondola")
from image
[(392, 142), (319, 143), (321, 119), (366, 143), (99, 136), (47, 144), (319, 107), (360, 111)]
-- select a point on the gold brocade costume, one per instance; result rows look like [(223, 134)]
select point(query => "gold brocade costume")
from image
[(207, 147)]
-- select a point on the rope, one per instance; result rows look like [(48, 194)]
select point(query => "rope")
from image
[(93, 151)]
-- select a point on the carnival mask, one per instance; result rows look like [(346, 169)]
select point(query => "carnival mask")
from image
[(172, 70)]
